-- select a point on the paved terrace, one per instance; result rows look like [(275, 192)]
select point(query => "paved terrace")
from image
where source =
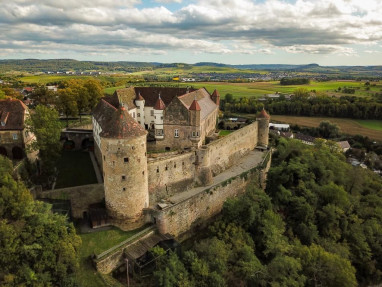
[(253, 159)]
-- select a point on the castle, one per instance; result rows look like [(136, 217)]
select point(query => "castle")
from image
[(137, 120)]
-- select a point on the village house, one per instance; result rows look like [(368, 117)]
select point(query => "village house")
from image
[(14, 137)]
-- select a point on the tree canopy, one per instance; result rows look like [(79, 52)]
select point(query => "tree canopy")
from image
[(38, 248), (45, 126), (319, 223)]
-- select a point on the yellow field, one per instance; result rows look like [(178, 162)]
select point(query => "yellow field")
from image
[(347, 126)]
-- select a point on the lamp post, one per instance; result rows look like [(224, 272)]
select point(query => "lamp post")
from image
[(127, 272)]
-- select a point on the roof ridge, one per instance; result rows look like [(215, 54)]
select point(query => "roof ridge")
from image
[(109, 104)]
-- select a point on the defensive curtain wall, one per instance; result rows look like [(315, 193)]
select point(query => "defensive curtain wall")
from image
[(187, 210), (178, 173), (184, 211)]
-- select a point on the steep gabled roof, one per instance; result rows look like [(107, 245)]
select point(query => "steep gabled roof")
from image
[(127, 97), (12, 114), (150, 94), (203, 98), (121, 125)]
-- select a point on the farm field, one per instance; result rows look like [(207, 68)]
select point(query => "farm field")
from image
[(253, 89), (259, 89), (117, 79), (347, 126), (187, 70), (370, 124)]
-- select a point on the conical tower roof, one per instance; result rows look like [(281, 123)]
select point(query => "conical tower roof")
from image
[(159, 104), (122, 125), (194, 106), (139, 97), (263, 114), (215, 94)]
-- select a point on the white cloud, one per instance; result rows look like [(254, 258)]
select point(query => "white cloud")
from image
[(201, 26), (168, 1)]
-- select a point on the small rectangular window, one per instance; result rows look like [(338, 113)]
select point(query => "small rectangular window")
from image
[(124, 189), (123, 177), (193, 134), (15, 136), (176, 133), (125, 159), (152, 112), (138, 114)]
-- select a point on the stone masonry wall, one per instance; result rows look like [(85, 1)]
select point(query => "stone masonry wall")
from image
[(80, 197), (181, 217), (168, 176), (224, 152)]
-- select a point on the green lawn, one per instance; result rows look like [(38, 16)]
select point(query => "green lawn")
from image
[(371, 124), (75, 168), (224, 132), (111, 90), (95, 243)]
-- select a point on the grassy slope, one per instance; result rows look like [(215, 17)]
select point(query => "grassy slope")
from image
[(95, 243), (348, 126)]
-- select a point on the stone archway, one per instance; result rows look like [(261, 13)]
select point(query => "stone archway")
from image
[(87, 144), (17, 153), (69, 145), (3, 151)]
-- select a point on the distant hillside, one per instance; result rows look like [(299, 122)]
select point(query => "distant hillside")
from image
[(63, 65), (54, 65)]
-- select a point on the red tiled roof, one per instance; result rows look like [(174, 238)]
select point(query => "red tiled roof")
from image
[(12, 114), (139, 97), (215, 94), (206, 105), (263, 114), (127, 97), (122, 125), (150, 94), (195, 106), (159, 105)]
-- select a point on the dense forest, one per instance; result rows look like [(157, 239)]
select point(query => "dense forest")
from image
[(304, 105), (38, 247), (319, 223)]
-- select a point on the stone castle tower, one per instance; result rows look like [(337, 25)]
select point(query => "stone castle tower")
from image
[(123, 148), (263, 128)]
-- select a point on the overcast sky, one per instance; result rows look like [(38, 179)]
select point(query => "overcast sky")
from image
[(327, 32)]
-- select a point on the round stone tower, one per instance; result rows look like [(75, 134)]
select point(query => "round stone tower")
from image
[(263, 128), (123, 146)]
